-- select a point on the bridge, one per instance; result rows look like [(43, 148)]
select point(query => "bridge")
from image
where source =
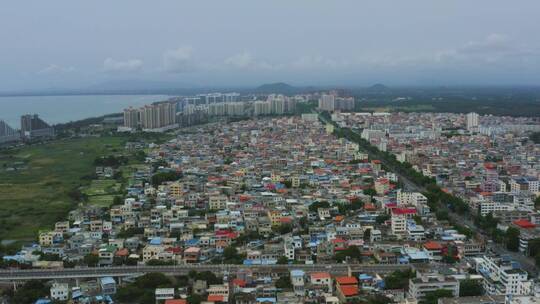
[(127, 271)]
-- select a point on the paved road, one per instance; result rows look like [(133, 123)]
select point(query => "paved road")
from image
[(124, 271), (527, 263)]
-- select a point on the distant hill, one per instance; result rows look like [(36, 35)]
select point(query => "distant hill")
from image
[(278, 88), (378, 88)]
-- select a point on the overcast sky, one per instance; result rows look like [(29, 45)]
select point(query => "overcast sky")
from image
[(72, 44)]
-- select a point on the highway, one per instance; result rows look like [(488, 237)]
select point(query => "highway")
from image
[(126, 271)]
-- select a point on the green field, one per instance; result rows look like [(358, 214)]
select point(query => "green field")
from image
[(35, 195), (101, 192)]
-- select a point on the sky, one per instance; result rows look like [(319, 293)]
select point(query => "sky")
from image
[(203, 43)]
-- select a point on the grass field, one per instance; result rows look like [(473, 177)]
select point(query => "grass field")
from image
[(35, 196), (101, 192)]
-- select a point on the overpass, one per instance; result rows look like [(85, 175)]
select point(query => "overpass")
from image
[(127, 271)]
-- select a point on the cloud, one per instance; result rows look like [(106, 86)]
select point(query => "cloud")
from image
[(245, 60), (241, 60), (178, 60), (491, 49), (112, 65), (56, 69), (318, 62)]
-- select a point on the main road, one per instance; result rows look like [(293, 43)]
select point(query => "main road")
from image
[(126, 271), (527, 263)]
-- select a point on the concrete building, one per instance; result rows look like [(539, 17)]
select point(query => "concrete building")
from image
[(502, 276), (472, 121), (34, 127), (427, 282), (131, 118)]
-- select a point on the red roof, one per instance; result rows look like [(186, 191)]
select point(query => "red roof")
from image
[(122, 252), (320, 275), (349, 290), (239, 282), (346, 280), (175, 301), (215, 298), (400, 211), (523, 223), (431, 245)]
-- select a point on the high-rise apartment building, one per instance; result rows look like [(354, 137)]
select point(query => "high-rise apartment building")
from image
[(158, 115), (131, 118), (327, 102), (7, 133), (32, 127), (472, 121)]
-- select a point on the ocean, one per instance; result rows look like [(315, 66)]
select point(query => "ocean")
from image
[(61, 109)]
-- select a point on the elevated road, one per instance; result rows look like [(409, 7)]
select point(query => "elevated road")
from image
[(126, 271)]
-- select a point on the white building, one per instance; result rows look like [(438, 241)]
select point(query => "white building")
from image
[(424, 283), (472, 121), (59, 291), (502, 276)]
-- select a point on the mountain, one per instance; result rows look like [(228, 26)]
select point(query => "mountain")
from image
[(378, 88), (278, 88)]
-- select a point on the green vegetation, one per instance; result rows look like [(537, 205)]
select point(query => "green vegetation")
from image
[(159, 178), (142, 290), (470, 288), (459, 101), (284, 282), (352, 253), (432, 297), (512, 239), (535, 137), (44, 187), (399, 279), (102, 192), (30, 292)]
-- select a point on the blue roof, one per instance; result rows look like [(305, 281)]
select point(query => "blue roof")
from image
[(418, 255), (364, 276), (43, 301), (155, 241), (297, 273), (107, 280), (273, 300), (192, 242)]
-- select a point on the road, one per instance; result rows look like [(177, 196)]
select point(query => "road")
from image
[(527, 263), (125, 271)]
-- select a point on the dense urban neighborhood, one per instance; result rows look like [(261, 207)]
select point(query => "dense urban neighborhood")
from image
[(225, 198)]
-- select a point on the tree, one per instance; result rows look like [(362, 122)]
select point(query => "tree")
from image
[(432, 297), (283, 228), (129, 293), (159, 178), (352, 252), (91, 260), (370, 192), (470, 288), (367, 235), (284, 282), (398, 279), (537, 203), (282, 260), (381, 218), (231, 256), (320, 204), (194, 299), (152, 280), (512, 239), (30, 292)]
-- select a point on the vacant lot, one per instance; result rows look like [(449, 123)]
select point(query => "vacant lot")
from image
[(35, 180)]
